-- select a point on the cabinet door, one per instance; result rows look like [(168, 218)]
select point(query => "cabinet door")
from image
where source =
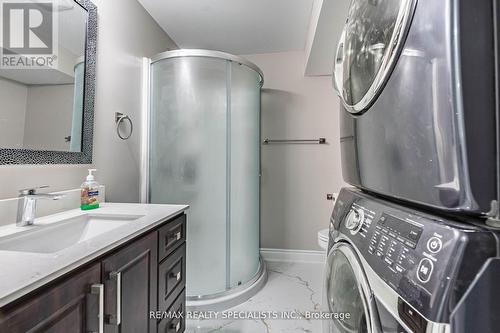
[(67, 306), (130, 279)]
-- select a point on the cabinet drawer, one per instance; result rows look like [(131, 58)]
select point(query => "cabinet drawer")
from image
[(170, 236), (176, 321), (171, 277)]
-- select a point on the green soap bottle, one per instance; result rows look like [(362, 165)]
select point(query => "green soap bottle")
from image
[(90, 192)]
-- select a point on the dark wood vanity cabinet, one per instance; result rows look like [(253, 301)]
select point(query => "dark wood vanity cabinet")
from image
[(142, 276), (61, 308)]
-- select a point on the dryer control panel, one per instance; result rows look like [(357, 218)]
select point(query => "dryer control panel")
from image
[(421, 257)]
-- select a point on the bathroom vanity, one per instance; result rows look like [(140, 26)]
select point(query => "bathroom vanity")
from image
[(99, 271)]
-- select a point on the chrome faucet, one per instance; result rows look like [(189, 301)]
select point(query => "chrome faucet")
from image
[(26, 208)]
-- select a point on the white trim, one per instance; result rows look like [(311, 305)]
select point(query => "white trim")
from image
[(282, 255), (146, 67)]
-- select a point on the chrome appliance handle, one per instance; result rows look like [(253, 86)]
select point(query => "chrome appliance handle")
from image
[(338, 66)]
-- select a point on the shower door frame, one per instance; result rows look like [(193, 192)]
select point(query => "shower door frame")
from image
[(145, 129)]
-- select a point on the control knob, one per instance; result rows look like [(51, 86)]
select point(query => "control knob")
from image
[(355, 220)]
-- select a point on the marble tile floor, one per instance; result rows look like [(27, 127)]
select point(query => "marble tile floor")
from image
[(292, 288)]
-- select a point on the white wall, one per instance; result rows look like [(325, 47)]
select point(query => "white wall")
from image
[(126, 34), (327, 22), (296, 178), (12, 113), (313, 24)]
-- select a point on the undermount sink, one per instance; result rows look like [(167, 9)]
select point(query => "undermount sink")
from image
[(57, 236)]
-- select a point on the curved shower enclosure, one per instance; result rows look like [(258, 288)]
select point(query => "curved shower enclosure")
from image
[(204, 148)]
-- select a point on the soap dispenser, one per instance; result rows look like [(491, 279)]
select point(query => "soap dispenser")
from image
[(90, 192)]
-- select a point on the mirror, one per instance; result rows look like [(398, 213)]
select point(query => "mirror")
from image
[(47, 74)]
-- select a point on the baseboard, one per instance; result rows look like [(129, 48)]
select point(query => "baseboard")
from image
[(282, 255)]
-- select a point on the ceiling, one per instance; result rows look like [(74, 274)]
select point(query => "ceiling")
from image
[(234, 26)]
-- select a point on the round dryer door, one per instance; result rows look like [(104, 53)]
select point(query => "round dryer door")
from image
[(347, 294), (368, 49)]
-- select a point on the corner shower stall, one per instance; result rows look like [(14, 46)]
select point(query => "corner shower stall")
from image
[(204, 150)]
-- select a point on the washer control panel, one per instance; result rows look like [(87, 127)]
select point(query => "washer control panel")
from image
[(405, 251), (393, 240), (414, 253)]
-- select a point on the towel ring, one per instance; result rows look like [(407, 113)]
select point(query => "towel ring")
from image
[(119, 118)]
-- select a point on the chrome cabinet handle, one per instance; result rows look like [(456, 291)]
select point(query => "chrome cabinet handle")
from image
[(177, 275), (176, 326), (174, 237), (98, 289), (117, 276)]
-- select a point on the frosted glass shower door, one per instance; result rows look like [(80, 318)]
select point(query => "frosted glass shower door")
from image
[(245, 169), (204, 151), (188, 159)]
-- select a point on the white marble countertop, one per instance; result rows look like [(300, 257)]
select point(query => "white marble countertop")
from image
[(23, 272)]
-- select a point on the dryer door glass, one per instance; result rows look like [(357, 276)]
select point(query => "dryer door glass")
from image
[(345, 299), (370, 44)]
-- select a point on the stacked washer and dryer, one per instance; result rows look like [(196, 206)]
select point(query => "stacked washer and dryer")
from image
[(414, 246)]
